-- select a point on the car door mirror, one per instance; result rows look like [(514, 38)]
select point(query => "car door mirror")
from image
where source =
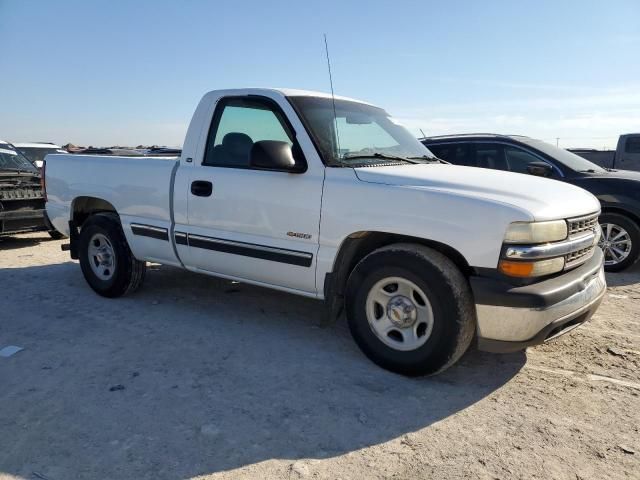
[(539, 169), (274, 155)]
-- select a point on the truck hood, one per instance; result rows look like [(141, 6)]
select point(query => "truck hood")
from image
[(542, 198)]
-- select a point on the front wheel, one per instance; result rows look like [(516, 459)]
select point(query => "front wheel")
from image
[(620, 241), (410, 309), (107, 263)]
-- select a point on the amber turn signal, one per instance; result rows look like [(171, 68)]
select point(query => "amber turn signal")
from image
[(537, 268), (516, 269)]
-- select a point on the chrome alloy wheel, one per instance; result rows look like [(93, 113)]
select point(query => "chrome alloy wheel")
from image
[(615, 242), (399, 313), (101, 257)]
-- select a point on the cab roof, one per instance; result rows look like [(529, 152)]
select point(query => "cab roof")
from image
[(287, 92), (473, 135)]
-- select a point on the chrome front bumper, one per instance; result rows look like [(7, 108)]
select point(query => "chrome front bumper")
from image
[(504, 328)]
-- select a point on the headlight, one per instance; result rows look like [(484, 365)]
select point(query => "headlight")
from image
[(536, 232)]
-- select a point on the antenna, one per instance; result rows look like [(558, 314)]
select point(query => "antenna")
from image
[(333, 97), (423, 135)]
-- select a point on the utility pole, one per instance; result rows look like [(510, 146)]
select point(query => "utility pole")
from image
[(557, 141)]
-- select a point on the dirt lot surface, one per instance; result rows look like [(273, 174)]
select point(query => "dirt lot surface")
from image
[(194, 377)]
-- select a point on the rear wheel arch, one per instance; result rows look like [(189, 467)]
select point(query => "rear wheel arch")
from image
[(83, 207)]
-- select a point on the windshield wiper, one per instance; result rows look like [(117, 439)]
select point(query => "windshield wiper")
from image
[(379, 155), (430, 159)]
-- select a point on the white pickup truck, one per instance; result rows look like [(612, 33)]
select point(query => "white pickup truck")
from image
[(332, 199)]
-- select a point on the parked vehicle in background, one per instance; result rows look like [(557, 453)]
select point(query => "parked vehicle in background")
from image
[(36, 151), (617, 190), (163, 152), (120, 152), (332, 199), (21, 201), (626, 156)]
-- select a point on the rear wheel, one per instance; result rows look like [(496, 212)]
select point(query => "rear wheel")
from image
[(410, 309), (620, 241), (105, 258)]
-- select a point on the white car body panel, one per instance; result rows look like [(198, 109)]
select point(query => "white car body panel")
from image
[(251, 206), (543, 199), (466, 209), (137, 187)]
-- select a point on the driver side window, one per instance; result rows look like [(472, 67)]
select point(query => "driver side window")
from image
[(518, 160), (490, 155), (237, 124)]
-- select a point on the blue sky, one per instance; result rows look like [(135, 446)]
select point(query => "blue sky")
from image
[(129, 72)]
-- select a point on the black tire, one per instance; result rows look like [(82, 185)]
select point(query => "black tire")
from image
[(128, 273), (447, 291), (56, 235), (634, 235)]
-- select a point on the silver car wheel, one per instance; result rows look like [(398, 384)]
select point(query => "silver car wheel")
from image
[(399, 313), (615, 242), (101, 257)]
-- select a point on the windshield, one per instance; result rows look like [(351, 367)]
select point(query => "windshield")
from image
[(565, 157), (10, 159), (36, 154), (357, 132)]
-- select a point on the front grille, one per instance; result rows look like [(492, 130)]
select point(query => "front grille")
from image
[(578, 257), (20, 193), (578, 227), (582, 224)]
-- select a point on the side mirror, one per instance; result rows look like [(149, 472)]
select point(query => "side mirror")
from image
[(274, 155), (540, 169)]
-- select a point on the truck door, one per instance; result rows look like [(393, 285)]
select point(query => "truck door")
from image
[(629, 153), (255, 225)]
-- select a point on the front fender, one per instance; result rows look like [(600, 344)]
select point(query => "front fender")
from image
[(621, 204)]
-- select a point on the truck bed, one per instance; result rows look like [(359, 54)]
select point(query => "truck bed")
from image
[(602, 158), (137, 187)]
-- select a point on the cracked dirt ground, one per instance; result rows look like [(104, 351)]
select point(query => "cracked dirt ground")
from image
[(194, 377)]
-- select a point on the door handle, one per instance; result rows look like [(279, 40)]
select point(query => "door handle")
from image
[(201, 188)]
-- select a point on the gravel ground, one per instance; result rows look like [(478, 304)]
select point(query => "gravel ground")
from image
[(195, 377)]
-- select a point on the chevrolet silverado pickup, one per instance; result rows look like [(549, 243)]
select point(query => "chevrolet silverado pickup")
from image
[(333, 199)]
